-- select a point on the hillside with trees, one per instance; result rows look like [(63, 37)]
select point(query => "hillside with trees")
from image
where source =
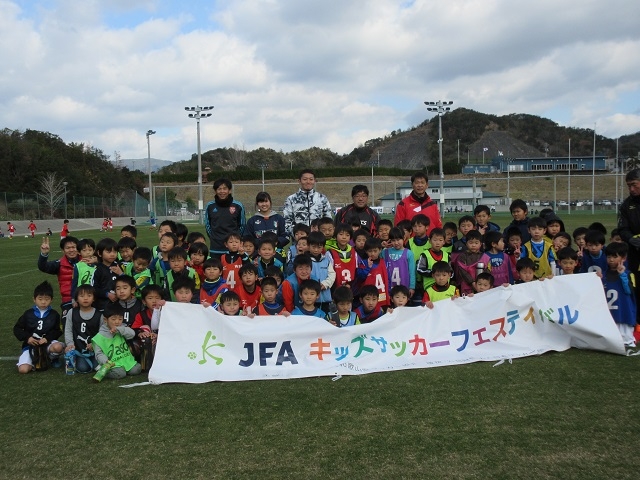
[(466, 134), (28, 157)]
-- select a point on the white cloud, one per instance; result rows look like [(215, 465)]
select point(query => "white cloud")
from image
[(288, 75)]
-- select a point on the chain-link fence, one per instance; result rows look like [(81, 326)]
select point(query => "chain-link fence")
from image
[(23, 206), (562, 191)]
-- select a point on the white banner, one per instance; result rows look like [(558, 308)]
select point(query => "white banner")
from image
[(198, 345)]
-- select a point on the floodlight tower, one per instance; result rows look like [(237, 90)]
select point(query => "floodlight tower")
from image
[(151, 209), (440, 107), (197, 114)]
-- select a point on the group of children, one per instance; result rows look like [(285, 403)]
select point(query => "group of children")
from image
[(338, 273)]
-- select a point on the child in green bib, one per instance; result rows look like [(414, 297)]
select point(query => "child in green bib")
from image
[(110, 344)]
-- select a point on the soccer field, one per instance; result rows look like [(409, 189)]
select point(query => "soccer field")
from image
[(558, 415)]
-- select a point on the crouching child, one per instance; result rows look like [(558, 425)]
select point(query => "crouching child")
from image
[(110, 344)]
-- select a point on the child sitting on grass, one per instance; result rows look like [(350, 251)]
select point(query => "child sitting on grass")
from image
[(83, 322), (110, 344), (38, 329)]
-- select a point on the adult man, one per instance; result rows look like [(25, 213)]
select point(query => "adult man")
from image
[(419, 202), (223, 216), (359, 211), (306, 204), (629, 222), (62, 268)]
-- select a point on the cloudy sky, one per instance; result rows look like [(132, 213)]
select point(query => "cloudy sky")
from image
[(291, 74)]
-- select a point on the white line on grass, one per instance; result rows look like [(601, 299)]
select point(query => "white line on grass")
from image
[(18, 273), (9, 358)]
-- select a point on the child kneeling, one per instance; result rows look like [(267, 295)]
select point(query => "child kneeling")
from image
[(110, 344)]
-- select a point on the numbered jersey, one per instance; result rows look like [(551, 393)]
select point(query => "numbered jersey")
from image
[(397, 268), (621, 300), (541, 262), (130, 312), (378, 276), (84, 330), (344, 264), (230, 269)]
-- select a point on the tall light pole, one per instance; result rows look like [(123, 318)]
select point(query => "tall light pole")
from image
[(151, 209), (569, 182), (373, 188), (508, 182), (65, 199), (440, 107), (593, 174), (263, 166), (198, 115)]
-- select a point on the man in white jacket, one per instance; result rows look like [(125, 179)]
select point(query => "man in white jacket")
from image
[(306, 204)]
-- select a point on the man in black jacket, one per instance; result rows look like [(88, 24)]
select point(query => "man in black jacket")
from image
[(359, 211)]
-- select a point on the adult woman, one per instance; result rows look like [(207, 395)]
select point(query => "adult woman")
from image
[(266, 220)]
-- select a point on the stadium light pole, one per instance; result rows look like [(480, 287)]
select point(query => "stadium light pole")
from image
[(151, 209), (569, 182), (262, 167), (65, 199), (593, 174), (197, 114), (440, 107)]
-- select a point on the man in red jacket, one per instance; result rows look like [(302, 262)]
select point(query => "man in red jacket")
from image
[(419, 202)]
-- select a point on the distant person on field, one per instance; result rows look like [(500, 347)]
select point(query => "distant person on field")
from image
[(11, 229), (64, 233), (32, 228), (418, 202), (306, 204)]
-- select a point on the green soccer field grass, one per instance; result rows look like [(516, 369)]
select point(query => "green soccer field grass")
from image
[(558, 415)]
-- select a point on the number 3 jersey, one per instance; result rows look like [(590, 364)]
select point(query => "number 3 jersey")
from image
[(45, 324)]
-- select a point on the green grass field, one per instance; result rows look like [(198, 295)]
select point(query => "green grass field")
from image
[(558, 415)]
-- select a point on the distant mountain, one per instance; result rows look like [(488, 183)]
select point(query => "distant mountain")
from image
[(468, 133), (141, 164), (468, 136)]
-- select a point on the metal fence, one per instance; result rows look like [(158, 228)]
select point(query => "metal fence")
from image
[(565, 192), (24, 206)]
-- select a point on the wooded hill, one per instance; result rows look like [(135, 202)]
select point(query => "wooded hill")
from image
[(515, 135), (27, 156)]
